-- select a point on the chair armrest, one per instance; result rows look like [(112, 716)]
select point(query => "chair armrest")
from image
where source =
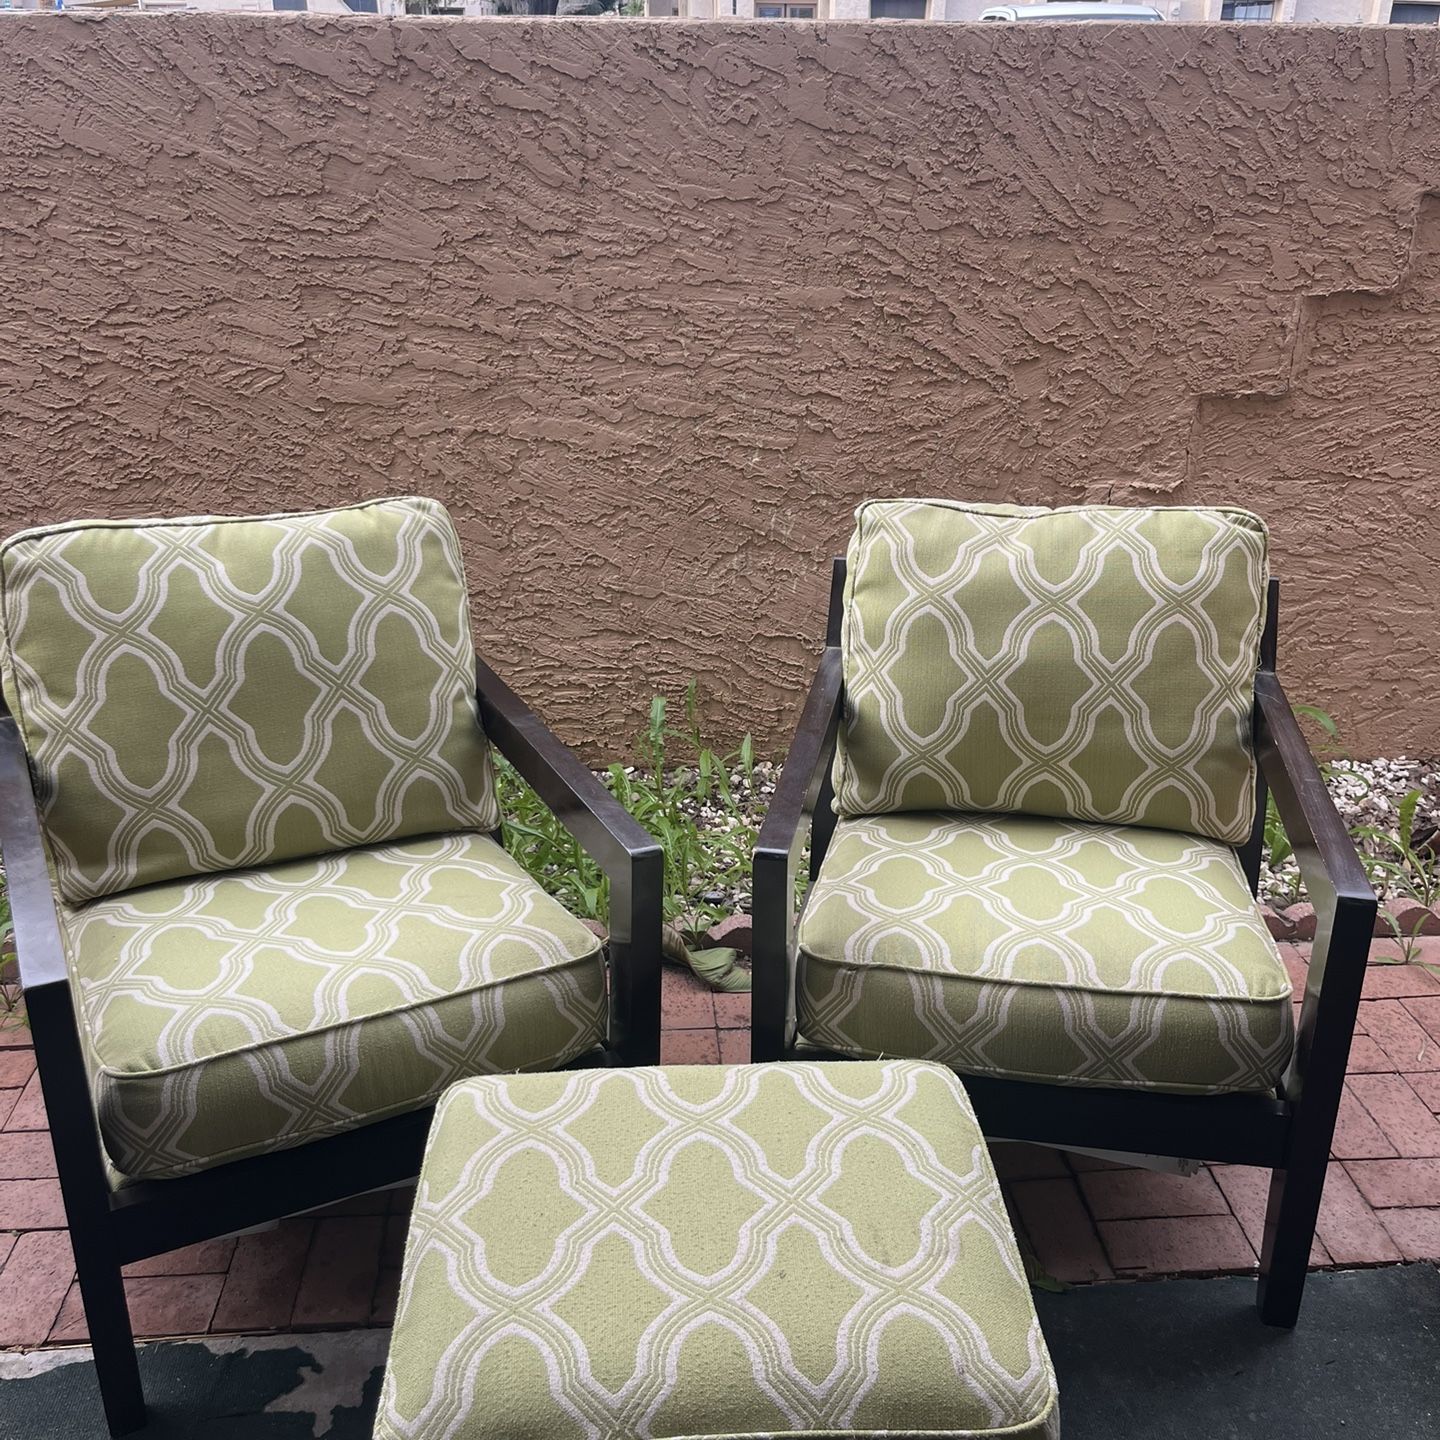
[(39, 944), (788, 823), (40, 955), (1335, 880), (1323, 849), (628, 854)]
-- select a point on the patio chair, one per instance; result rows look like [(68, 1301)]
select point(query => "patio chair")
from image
[(249, 825), (1045, 839)]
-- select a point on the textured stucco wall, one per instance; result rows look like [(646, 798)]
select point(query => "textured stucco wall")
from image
[(651, 307)]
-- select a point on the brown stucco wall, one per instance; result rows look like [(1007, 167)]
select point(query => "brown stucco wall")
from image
[(652, 306)]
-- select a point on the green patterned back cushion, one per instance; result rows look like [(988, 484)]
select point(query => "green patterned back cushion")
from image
[(1091, 663), (207, 694)]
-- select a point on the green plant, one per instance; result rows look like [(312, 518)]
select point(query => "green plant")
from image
[(1398, 864), (692, 809), (11, 1002), (1400, 867), (684, 792), (546, 849)]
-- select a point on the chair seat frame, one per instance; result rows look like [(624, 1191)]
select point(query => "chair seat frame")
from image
[(112, 1227), (1288, 1132)]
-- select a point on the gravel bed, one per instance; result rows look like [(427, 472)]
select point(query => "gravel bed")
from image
[(751, 796), (1368, 795)]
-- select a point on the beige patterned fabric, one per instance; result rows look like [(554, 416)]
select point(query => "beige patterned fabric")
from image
[(206, 694), (229, 1015), (1093, 663), (745, 1251), (1044, 950)]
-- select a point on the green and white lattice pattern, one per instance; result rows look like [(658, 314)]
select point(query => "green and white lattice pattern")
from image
[(1044, 950), (229, 1015), (205, 694), (1093, 663), (803, 1249)]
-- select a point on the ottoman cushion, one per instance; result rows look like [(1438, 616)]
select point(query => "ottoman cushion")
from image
[(708, 1251)]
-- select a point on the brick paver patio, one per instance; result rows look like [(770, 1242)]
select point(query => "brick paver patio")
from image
[(1084, 1220)]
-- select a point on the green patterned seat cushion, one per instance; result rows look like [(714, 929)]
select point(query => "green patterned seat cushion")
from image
[(228, 1015), (1044, 950), (806, 1249), (205, 694), (1093, 663)]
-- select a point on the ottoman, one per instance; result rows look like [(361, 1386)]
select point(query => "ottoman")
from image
[(813, 1249)]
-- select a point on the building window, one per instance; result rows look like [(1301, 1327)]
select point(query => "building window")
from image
[(364, 7), (1415, 14), (897, 9), (784, 12), (1247, 10), (291, 4)]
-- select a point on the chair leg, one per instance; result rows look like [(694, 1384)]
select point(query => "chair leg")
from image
[(1290, 1217), (117, 1367)]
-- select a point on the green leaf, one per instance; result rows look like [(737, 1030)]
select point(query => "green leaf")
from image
[(1319, 717), (1406, 818)]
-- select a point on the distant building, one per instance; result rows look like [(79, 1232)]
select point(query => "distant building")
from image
[(1314, 12), (316, 7)]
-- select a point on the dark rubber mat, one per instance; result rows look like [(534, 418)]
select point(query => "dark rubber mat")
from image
[(1168, 1360), (1190, 1358)]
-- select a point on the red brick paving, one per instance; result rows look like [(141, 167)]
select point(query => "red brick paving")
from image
[(159, 1305), (1084, 1219), (1027, 1162), (29, 1111), (1405, 1119), (1358, 1135), (1349, 1229), (13, 1032), (1393, 1026), (26, 1155), (1426, 1009), (31, 1205), (1148, 1194), (1247, 1191), (732, 1012), (690, 1047), (387, 1289), (1060, 1230), (1367, 1058), (1390, 1183), (37, 1273), (209, 1257), (1395, 981), (1427, 1087), (341, 1271), (1188, 1244), (1415, 1231), (264, 1278)]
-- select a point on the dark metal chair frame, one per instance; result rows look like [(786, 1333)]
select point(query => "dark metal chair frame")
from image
[(1287, 1133), (110, 1228)]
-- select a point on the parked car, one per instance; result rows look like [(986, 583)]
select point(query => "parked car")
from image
[(1072, 13)]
